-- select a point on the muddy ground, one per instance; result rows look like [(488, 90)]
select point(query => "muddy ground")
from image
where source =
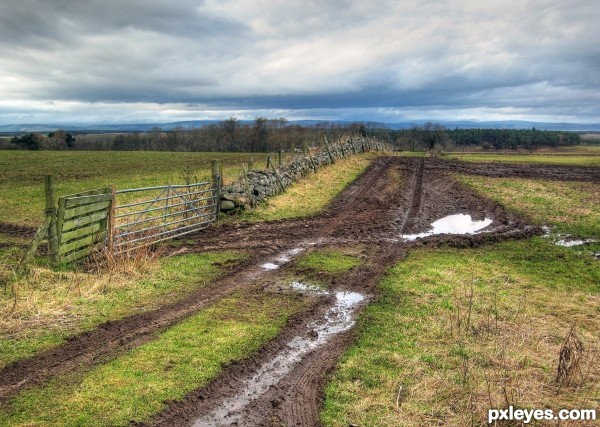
[(394, 197)]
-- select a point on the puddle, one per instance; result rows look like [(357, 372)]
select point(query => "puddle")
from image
[(565, 240), (270, 266), (569, 242), (337, 319), (452, 224), (282, 259), (308, 288)]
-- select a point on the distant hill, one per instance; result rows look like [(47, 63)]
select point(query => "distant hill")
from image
[(145, 127)]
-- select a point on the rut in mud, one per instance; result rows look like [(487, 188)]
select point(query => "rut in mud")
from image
[(394, 196)]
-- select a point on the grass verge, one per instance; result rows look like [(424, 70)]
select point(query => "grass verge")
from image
[(136, 385), (453, 336), (572, 207), (578, 160), (310, 196), (43, 309)]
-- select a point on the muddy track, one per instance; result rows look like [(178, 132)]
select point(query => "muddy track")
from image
[(296, 398), (373, 212)]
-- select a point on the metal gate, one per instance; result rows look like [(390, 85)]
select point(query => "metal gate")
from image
[(144, 216)]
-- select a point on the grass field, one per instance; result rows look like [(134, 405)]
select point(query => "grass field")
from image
[(22, 174), (571, 207), (575, 160), (454, 333)]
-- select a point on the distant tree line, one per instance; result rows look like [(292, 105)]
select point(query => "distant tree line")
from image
[(263, 135), (431, 135)]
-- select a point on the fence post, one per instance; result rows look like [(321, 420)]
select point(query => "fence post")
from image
[(216, 179), (112, 220), (251, 164), (280, 160), (51, 212), (342, 147), (362, 143), (331, 159), (312, 162), (268, 161)]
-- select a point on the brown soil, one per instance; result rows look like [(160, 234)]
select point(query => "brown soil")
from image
[(373, 212)]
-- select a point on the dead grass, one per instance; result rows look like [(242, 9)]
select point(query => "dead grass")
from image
[(43, 308)]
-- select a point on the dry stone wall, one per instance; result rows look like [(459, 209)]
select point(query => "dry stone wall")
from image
[(261, 184)]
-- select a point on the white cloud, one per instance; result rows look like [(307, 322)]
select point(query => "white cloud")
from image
[(535, 58)]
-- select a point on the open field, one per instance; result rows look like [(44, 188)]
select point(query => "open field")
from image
[(22, 174), (569, 160), (448, 325)]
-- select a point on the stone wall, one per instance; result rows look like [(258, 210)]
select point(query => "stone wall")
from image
[(261, 184)]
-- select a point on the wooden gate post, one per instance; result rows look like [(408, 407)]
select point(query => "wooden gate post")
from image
[(51, 212), (112, 220), (216, 179)]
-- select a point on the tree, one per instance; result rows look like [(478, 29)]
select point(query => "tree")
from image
[(30, 141)]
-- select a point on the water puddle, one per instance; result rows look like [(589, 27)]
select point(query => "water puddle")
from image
[(282, 259), (452, 224), (565, 240), (270, 266), (337, 319), (308, 288)]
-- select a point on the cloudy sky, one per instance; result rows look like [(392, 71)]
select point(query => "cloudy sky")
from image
[(93, 61)]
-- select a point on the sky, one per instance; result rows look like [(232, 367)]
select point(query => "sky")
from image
[(102, 61)]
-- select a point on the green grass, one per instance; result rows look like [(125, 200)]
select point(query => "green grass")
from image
[(22, 174), (572, 207), (428, 354), (312, 194), (42, 310), (328, 261), (137, 384), (528, 158)]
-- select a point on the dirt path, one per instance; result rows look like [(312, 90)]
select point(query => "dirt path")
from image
[(374, 211), (239, 395)]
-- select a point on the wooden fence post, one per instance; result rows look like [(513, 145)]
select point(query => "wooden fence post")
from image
[(251, 164), (216, 179), (268, 161), (112, 220), (331, 159), (312, 162), (342, 147), (280, 161), (51, 212)]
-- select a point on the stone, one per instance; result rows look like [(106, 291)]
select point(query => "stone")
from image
[(227, 205)]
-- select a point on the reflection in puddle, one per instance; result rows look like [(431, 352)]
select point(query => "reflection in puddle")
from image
[(452, 224), (308, 288), (338, 318), (270, 266), (281, 259)]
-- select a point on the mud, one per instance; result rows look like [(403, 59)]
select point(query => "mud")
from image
[(15, 230), (375, 211)]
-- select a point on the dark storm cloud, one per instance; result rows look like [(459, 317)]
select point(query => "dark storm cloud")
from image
[(530, 58)]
